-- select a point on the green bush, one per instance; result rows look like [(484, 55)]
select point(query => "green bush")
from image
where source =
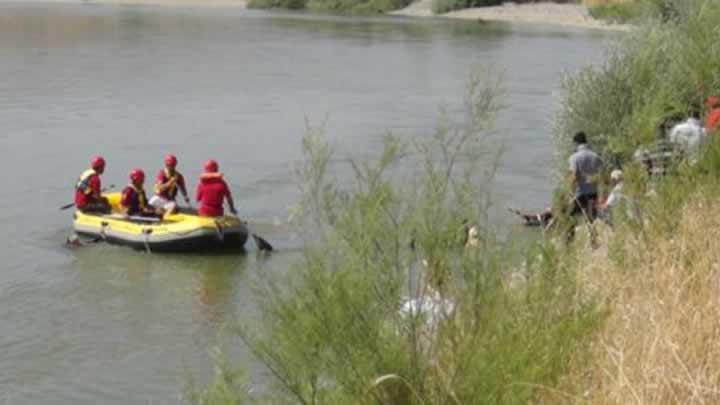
[(444, 6), (618, 13), (356, 6), (286, 4), (333, 333), (660, 70), (664, 69)]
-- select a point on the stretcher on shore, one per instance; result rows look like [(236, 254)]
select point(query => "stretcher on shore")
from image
[(184, 231)]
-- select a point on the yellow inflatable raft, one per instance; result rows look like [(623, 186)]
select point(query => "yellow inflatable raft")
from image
[(181, 232)]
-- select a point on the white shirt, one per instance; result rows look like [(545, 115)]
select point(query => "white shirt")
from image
[(431, 306), (688, 136), (615, 196)]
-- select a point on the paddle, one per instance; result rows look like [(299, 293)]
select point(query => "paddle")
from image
[(261, 243), (72, 204)]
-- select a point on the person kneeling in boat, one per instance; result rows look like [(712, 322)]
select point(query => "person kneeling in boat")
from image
[(133, 201), (88, 190), (167, 184), (212, 191)]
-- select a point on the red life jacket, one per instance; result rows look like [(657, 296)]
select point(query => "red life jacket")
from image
[(84, 189), (211, 193)]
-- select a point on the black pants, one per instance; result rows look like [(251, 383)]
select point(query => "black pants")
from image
[(584, 206), (101, 206)]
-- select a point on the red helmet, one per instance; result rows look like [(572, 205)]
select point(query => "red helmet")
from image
[(170, 160), (97, 162), (137, 176), (210, 166)]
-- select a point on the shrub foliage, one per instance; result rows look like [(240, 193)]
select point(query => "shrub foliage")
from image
[(335, 333)]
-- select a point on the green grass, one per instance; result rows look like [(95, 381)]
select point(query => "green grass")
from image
[(617, 13)]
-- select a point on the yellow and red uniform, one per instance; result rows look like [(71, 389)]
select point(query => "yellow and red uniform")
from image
[(87, 189), (133, 199), (169, 193)]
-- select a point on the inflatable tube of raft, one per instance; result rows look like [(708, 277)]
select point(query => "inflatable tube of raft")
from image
[(182, 232)]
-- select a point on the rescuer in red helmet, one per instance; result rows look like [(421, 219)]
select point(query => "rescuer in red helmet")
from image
[(212, 191), (88, 189), (167, 184), (133, 201)]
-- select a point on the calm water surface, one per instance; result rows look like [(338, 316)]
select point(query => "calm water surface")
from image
[(108, 325)]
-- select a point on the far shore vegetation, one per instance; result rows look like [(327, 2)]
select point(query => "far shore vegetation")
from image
[(624, 314), (614, 11), (361, 7), (444, 6)]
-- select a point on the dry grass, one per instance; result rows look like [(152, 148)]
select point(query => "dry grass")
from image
[(661, 341)]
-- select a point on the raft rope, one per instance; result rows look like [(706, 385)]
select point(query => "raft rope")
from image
[(103, 227), (220, 230), (146, 239)]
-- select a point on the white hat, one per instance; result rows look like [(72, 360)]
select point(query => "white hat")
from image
[(616, 175)]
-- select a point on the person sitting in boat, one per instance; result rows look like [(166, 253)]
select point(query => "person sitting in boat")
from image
[(212, 191), (167, 183), (133, 201), (88, 189)]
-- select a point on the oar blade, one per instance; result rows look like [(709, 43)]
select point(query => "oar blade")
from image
[(262, 244)]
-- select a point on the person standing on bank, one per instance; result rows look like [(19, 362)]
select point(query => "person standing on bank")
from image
[(585, 166), (212, 191), (167, 184)]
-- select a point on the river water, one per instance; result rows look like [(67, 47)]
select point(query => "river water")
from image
[(108, 325)]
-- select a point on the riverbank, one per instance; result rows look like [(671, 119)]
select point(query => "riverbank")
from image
[(169, 3), (568, 15)]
